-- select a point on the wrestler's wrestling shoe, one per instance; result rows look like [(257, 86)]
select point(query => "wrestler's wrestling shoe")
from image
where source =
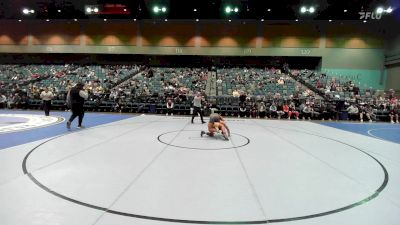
[(202, 133), (224, 133)]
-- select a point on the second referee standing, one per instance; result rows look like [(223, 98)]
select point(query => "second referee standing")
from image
[(46, 96), (197, 107)]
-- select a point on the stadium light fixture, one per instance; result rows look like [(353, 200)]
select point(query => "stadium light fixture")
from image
[(89, 9), (229, 9), (27, 11), (310, 10), (159, 9)]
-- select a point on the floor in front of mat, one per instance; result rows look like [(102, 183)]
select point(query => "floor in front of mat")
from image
[(158, 170)]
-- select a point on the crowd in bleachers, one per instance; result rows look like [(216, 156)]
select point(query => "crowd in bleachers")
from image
[(12, 75), (21, 84), (333, 87), (158, 84), (243, 92), (255, 82), (361, 103)]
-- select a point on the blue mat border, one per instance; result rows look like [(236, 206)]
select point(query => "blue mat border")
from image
[(383, 131), (22, 137)]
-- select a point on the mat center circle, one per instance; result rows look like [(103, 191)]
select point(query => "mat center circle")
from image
[(191, 139)]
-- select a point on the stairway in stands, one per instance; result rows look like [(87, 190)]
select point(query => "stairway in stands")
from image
[(319, 94), (211, 86)]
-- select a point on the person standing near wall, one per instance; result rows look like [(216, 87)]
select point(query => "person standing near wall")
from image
[(75, 100), (197, 107), (3, 101), (46, 96), (170, 107)]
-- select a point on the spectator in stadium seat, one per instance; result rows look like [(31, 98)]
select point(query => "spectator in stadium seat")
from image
[(262, 110), (333, 86), (170, 107), (280, 110), (292, 110), (392, 99), (323, 112), (242, 97), (235, 93), (367, 111), (394, 113), (273, 111), (332, 112), (248, 110), (307, 111), (319, 84), (46, 97), (301, 107), (3, 101), (16, 101), (254, 110), (285, 109), (242, 109), (10, 101), (354, 112), (356, 90)]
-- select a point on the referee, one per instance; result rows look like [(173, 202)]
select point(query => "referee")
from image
[(197, 107), (75, 99), (46, 96)]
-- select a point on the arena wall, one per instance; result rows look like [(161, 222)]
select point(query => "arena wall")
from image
[(392, 61), (350, 50)]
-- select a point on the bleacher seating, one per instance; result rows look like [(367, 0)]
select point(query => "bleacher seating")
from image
[(126, 88)]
